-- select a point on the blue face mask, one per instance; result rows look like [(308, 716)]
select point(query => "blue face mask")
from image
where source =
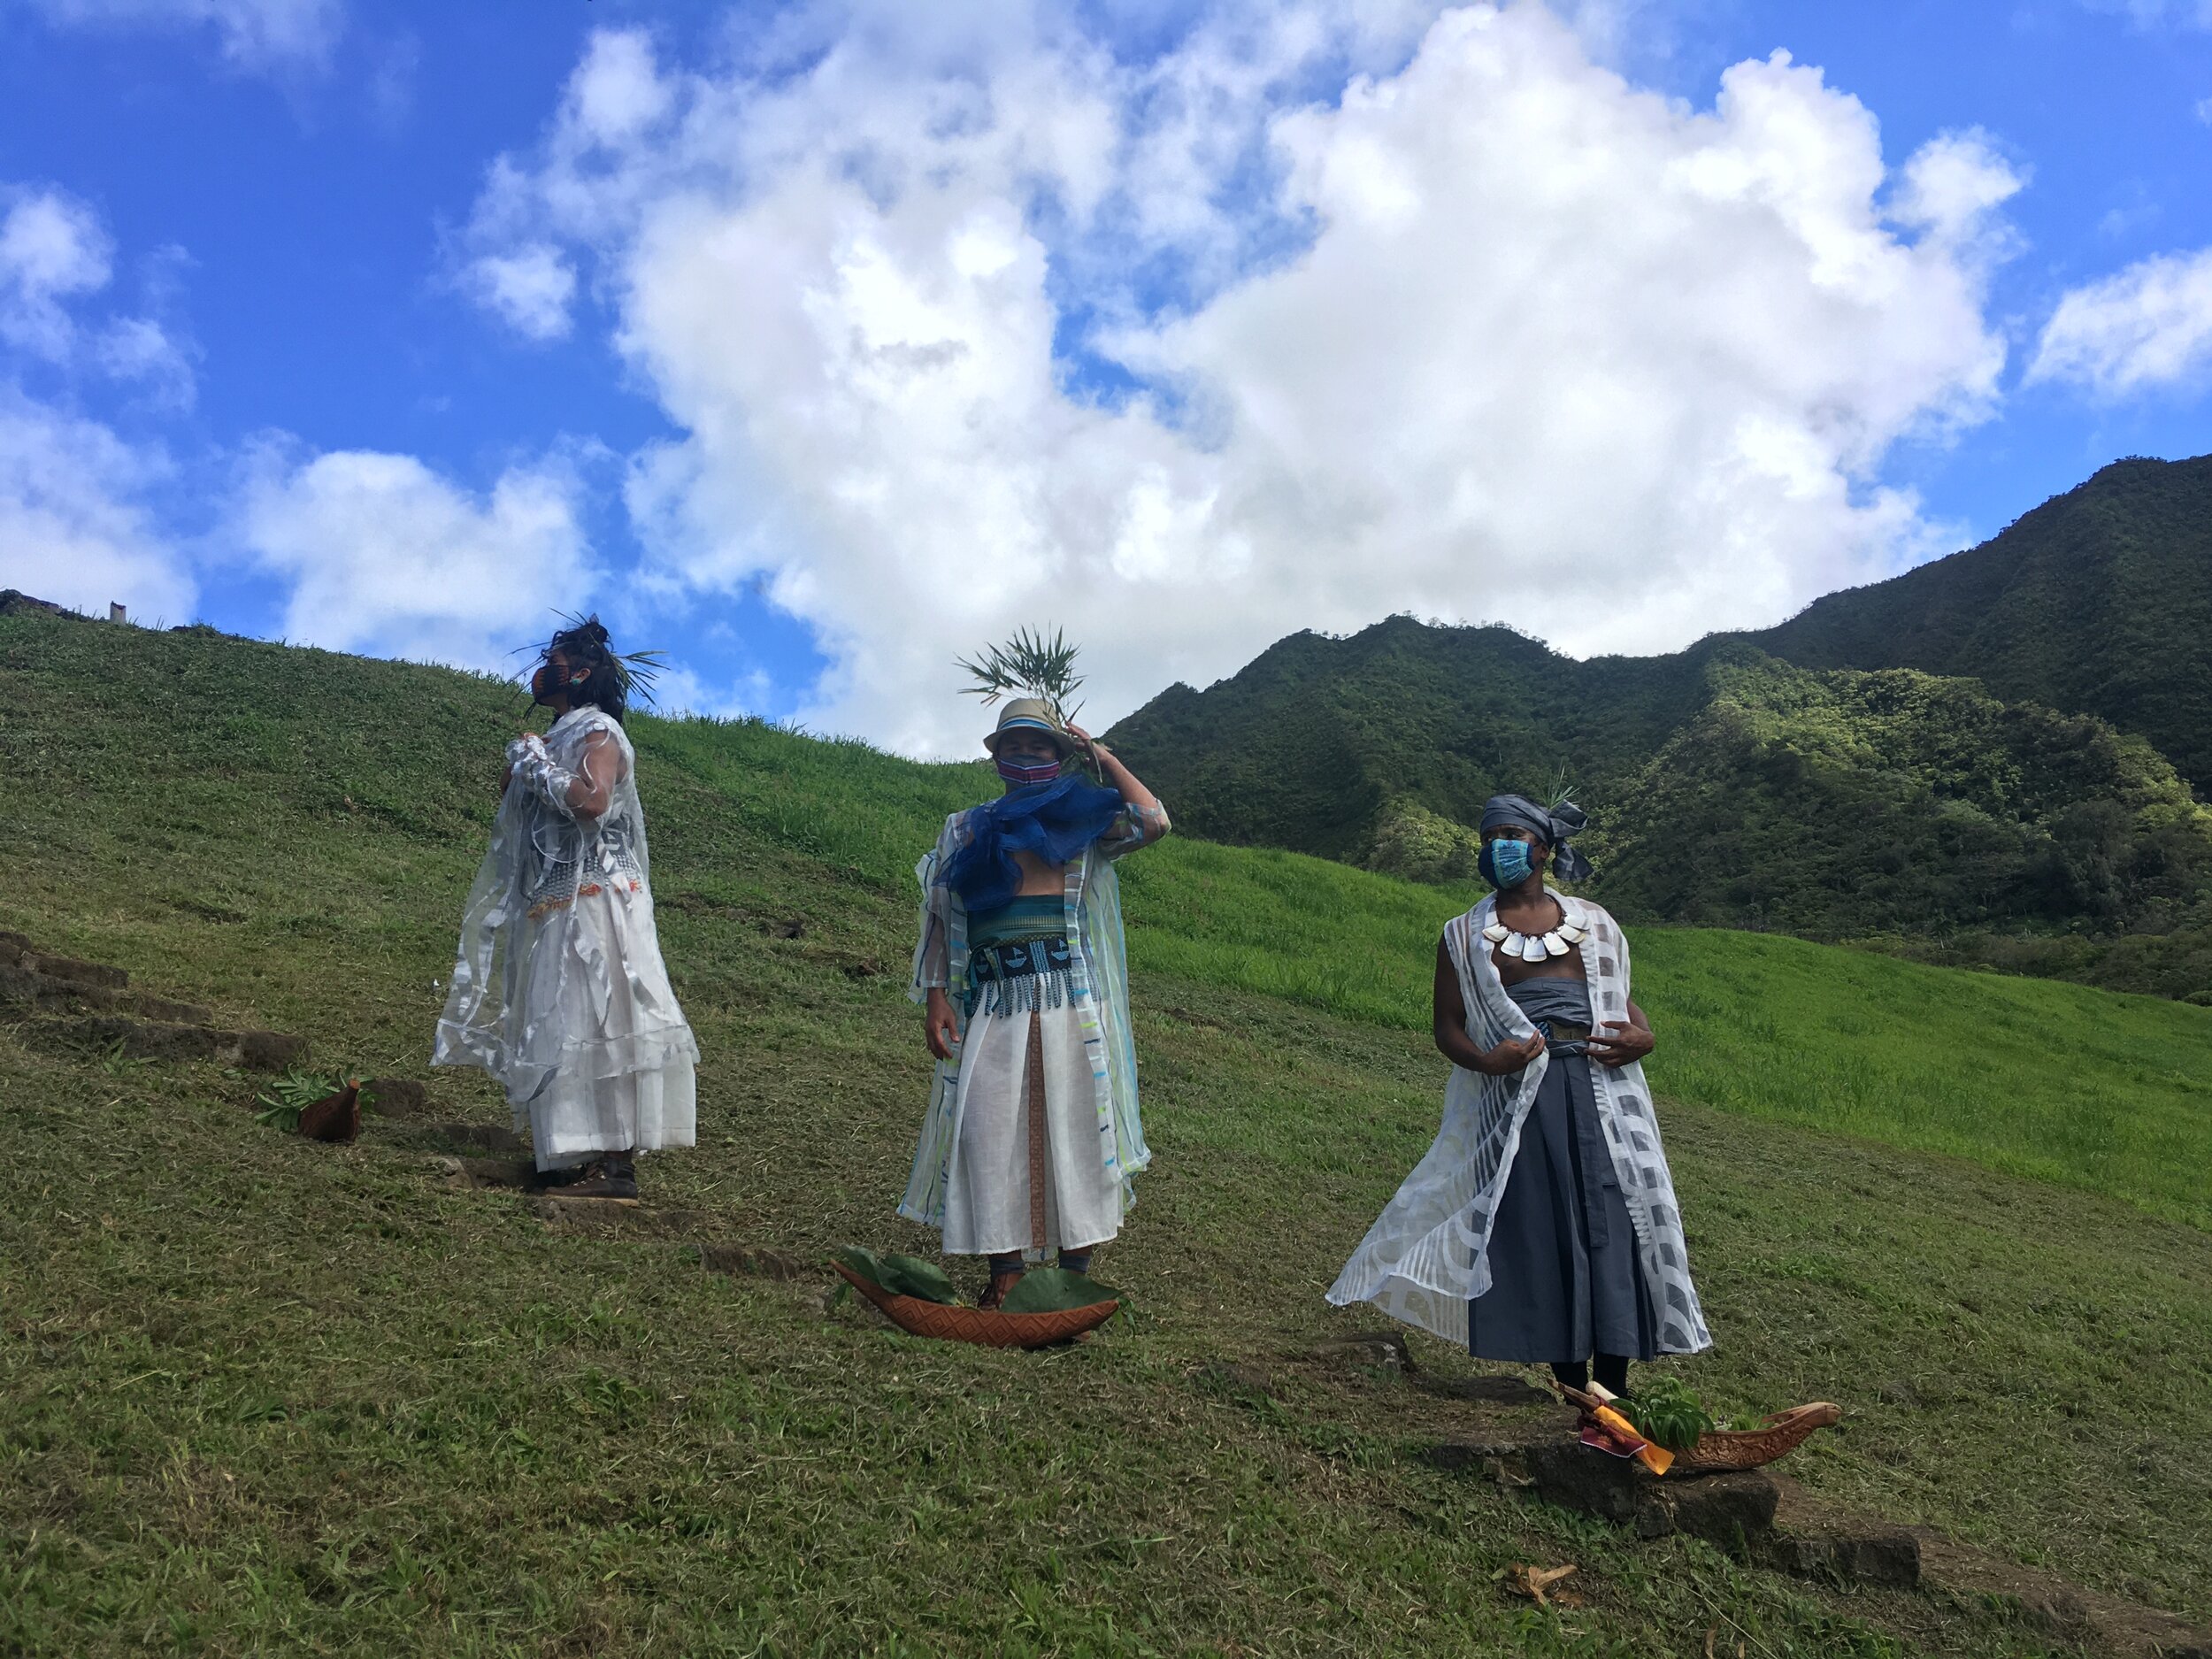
[(1506, 864)]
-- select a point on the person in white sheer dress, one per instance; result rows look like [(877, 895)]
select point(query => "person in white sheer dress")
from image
[(558, 989)]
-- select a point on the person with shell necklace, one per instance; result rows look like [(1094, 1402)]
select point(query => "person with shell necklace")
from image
[(1542, 1226)]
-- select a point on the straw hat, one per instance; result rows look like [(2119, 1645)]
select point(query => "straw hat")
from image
[(1030, 714)]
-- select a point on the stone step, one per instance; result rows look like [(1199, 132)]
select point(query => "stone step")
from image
[(495, 1139), (1774, 1522), (622, 1218), (1728, 1510), (26, 986), (398, 1097), (161, 1040), (19, 953), (753, 1261), (1492, 1389), (148, 1026), (508, 1174)]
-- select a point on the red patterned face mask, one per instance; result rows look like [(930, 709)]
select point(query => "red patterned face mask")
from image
[(545, 680), (1022, 774)]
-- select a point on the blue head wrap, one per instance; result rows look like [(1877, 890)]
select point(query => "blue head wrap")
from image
[(1055, 820), (1552, 826)]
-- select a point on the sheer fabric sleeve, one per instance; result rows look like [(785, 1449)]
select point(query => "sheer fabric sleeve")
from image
[(1133, 828), (932, 945), (581, 794)]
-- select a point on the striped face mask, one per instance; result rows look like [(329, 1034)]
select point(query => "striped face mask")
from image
[(1022, 773)]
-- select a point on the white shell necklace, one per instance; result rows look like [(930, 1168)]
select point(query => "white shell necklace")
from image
[(1536, 946)]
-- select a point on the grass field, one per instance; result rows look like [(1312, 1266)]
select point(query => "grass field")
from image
[(257, 1395)]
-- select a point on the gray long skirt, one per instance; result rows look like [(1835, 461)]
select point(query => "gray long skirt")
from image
[(1564, 1279)]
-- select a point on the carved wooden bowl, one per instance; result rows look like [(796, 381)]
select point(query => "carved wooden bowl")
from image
[(951, 1323), (1747, 1449)]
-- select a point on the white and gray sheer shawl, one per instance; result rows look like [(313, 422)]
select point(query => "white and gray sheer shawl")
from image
[(1428, 1253)]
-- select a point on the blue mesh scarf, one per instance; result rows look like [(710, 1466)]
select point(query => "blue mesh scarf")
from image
[(1055, 820)]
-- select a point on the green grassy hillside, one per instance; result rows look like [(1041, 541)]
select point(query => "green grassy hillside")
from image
[(257, 1395)]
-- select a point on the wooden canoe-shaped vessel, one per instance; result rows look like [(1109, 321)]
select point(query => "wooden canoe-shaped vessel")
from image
[(1747, 1449), (953, 1323)]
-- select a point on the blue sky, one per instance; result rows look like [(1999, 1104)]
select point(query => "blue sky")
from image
[(816, 343)]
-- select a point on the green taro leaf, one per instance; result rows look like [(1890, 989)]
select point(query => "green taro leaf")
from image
[(910, 1276), (865, 1262), (901, 1275), (1056, 1290)]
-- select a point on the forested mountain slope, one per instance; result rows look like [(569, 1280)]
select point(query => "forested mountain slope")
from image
[(1732, 784), (2098, 602)]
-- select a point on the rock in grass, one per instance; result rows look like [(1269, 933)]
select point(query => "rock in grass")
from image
[(396, 1097)]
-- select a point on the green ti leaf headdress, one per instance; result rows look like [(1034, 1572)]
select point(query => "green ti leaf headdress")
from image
[(1029, 666)]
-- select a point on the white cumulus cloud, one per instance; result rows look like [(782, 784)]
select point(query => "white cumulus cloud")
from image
[(1331, 312), (2159, 13), (74, 524), (253, 34), (72, 527), (530, 288), (2148, 325), (52, 250), (383, 554)]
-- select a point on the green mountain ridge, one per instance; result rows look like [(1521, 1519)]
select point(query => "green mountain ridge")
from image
[(1736, 783), (2099, 601)]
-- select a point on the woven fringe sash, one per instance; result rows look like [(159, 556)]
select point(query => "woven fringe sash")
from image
[(1021, 976), (1025, 996)]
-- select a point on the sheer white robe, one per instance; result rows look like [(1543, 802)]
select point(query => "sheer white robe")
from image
[(558, 988), (970, 1171)]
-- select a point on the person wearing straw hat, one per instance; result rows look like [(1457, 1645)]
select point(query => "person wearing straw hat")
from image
[(1542, 1226), (1032, 1135)]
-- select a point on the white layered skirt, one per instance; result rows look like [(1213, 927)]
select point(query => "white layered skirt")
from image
[(1027, 1175), (623, 1072)]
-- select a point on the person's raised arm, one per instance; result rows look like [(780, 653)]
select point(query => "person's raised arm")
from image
[(1449, 1019), (592, 789), (582, 793), (1147, 819)]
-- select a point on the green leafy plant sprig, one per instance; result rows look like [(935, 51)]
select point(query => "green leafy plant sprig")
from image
[(1667, 1413), (284, 1100), (1028, 666)]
